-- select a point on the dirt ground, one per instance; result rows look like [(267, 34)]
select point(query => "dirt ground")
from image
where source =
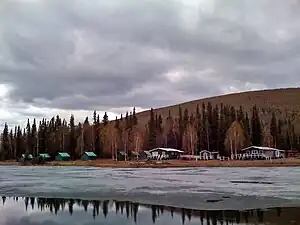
[(170, 163)]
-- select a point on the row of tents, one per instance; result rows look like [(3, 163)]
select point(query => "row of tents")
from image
[(61, 156)]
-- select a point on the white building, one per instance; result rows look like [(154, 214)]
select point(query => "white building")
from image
[(164, 153), (258, 152), (207, 155)]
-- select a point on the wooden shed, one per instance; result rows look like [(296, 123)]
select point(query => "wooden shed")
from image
[(63, 156), (121, 156), (89, 156)]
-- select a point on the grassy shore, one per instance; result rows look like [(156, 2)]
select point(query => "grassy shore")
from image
[(170, 163)]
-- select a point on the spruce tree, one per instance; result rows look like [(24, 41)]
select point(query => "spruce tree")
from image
[(28, 138), (256, 127), (151, 130), (134, 118), (198, 128), (209, 126), (5, 143), (105, 119), (181, 128), (273, 129), (215, 129), (72, 148), (204, 130), (247, 130), (222, 131), (34, 138), (240, 114)]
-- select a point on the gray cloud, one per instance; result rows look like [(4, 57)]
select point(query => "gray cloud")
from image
[(99, 55)]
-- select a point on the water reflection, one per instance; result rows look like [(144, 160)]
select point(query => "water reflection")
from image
[(30, 210)]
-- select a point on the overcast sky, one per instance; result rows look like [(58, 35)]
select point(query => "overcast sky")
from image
[(72, 56)]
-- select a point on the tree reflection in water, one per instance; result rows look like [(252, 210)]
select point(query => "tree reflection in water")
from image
[(130, 210)]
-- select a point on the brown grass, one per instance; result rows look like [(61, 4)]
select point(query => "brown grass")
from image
[(279, 100), (171, 163)]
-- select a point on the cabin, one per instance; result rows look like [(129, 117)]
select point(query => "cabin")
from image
[(62, 156), (258, 152), (208, 155), (164, 153), (26, 158), (87, 156), (45, 156), (121, 156)]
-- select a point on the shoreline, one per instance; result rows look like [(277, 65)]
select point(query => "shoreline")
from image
[(106, 163)]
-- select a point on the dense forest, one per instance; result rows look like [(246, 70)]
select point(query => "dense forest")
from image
[(220, 128)]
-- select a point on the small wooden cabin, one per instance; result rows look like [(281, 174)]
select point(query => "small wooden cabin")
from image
[(88, 156), (121, 156), (62, 156)]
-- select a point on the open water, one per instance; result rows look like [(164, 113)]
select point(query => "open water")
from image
[(84, 195)]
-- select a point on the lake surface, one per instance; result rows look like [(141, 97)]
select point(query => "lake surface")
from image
[(211, 192)]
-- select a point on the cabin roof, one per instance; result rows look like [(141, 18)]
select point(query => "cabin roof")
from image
[(90, 154), (63, 154), (44, 155), (262, 148), (28, 156), (166, 150), (213, 152)]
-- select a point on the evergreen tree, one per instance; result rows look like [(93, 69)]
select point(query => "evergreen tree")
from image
[(198, 128), (34, 138), (151, 130), (215, 129), (134, 118), (5, 143), (72, 148), (96, 135), (181, 128), (185, 119), (246, 126), (204, 130), (273, 129), (28, 138), (105, 119), (256, 127), (209, 126), (222, 131), (240, 114)]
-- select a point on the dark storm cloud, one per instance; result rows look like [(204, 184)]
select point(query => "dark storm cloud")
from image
[(101, 55)]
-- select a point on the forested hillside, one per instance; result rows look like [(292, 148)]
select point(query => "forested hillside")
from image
[(226, 124)]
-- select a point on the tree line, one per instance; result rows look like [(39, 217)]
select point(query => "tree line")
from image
[(222, 128)]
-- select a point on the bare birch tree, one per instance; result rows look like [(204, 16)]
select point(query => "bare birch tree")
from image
[(235, 138)]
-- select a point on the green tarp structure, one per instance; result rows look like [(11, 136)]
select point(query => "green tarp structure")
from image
[(89, 156), (45, 156), (63, 156)]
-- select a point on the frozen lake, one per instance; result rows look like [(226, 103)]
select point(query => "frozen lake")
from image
[(196, 188)]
